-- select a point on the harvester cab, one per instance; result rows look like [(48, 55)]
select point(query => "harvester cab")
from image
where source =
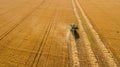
[(73, 28)]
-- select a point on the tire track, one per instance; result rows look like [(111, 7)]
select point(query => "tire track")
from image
[(28, 61), (83, 58), (13, 27), (50, 29), (43, 42), (107, 56), (53, 25)]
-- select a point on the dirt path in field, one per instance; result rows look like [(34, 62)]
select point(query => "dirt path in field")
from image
[(102, 54)]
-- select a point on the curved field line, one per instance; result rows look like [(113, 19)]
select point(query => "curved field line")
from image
[(43, 42), (13, 27), (91, 56), (108, 56)]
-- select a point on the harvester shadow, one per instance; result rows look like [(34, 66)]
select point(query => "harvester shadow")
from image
[(76, 34)]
